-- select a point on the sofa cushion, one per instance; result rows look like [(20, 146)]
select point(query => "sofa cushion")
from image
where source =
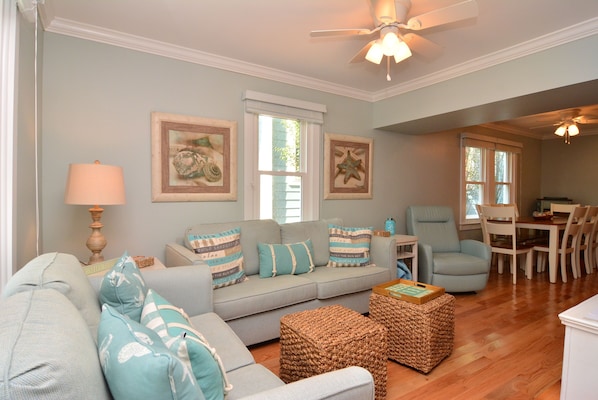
[(349, 247), (253, 380), (333, 282), (258, 295), (285, 259), (317, 231), (47, 349), (233, 353), (252, 233), (223, 253), (175, 330), (123, 288), (459, 264), (137, 365)]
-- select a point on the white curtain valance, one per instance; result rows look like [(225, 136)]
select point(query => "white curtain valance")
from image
[(263, 103)]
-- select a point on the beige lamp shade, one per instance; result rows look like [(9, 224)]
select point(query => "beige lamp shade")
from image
[(95, 184)]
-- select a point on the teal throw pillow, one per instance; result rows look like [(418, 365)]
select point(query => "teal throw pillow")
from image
[(223, 254), (174, 328), (285, 259), (137, 364), (349, 247), (123, 288)]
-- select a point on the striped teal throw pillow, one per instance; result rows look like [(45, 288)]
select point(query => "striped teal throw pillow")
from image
[(349, 247), (285, 259), (174, 328), (223, 254)]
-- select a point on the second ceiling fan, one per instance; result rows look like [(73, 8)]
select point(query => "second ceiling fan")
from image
[(390, 20)]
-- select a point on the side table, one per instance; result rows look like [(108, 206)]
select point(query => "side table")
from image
[(419, 335), (101, 268), (407, 249)]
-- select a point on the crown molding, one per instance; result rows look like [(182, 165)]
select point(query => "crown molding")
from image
[(132, 42), (557, 38), (138, 43)]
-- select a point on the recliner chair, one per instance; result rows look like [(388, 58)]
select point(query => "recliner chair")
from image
[(444, 260)]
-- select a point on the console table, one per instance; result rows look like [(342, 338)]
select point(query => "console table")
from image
[(580, 356)]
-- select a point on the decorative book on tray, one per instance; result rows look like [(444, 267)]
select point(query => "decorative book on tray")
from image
[(412, 292)]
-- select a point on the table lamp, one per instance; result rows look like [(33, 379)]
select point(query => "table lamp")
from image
[(95, 184)]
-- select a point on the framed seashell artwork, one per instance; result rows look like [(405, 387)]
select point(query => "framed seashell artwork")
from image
[(347, 167), (193, 158)]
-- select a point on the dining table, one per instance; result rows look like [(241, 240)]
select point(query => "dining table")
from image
[(553, 225)]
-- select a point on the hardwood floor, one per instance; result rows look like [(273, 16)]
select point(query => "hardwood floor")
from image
[(508, 343)]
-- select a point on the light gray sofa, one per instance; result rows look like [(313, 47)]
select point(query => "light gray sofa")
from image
[(253, 308), (49, 315)]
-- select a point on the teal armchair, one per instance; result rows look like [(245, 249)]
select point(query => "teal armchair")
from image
[(444, 260)]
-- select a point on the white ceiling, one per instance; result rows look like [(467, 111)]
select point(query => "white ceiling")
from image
[(270, 38)]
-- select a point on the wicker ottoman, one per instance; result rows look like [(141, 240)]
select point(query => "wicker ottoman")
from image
[(329, 338), (419, 335)]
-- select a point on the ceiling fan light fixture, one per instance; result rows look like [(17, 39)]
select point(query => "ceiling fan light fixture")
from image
[(573, 129), (402, 52), (390, 43), (375, 53), (560, 131)]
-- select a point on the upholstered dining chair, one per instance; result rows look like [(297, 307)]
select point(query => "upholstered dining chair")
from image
[(443, 259), (570, 236), (500, 233)]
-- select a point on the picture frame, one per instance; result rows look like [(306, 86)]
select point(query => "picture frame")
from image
[(347, 167), (193, 158)]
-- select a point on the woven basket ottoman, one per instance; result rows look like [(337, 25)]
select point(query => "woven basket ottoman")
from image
[(316, 341), (419, 335)]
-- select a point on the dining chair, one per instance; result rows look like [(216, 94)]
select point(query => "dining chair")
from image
[(562, 208), (500, 233), (586, 240), (572, 232)]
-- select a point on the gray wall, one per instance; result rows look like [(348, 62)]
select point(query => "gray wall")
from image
[(97, 101), (571, 170)]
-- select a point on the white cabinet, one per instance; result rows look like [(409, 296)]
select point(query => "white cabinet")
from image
[(580, 356), (407, 250)]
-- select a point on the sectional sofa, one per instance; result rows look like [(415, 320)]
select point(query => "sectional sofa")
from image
[(49, 319), (253, 307)]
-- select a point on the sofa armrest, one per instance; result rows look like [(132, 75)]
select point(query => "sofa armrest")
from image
[(476, 248), (343, 384), (177, 255), (425, 263), (188, 287), (383, 251)]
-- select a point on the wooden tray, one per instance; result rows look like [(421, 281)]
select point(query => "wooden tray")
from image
[(412, 292)]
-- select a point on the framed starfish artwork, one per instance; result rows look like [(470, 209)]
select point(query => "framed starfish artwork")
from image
[(347, 167)]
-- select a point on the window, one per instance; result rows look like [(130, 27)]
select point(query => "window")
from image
[(282, 152), (490, 167)]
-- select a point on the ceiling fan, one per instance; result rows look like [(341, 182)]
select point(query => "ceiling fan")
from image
[(567, 126), (390, 20)]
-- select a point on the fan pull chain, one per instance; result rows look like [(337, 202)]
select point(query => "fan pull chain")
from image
[(388, 68)]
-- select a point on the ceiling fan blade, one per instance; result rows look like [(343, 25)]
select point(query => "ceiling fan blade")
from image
[(383, 11), (359, 57), (456, 12), (342, 32), (422, 46), (586, 119)]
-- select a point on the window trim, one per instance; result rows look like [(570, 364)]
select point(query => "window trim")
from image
[(493, 144), (312, 116)]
